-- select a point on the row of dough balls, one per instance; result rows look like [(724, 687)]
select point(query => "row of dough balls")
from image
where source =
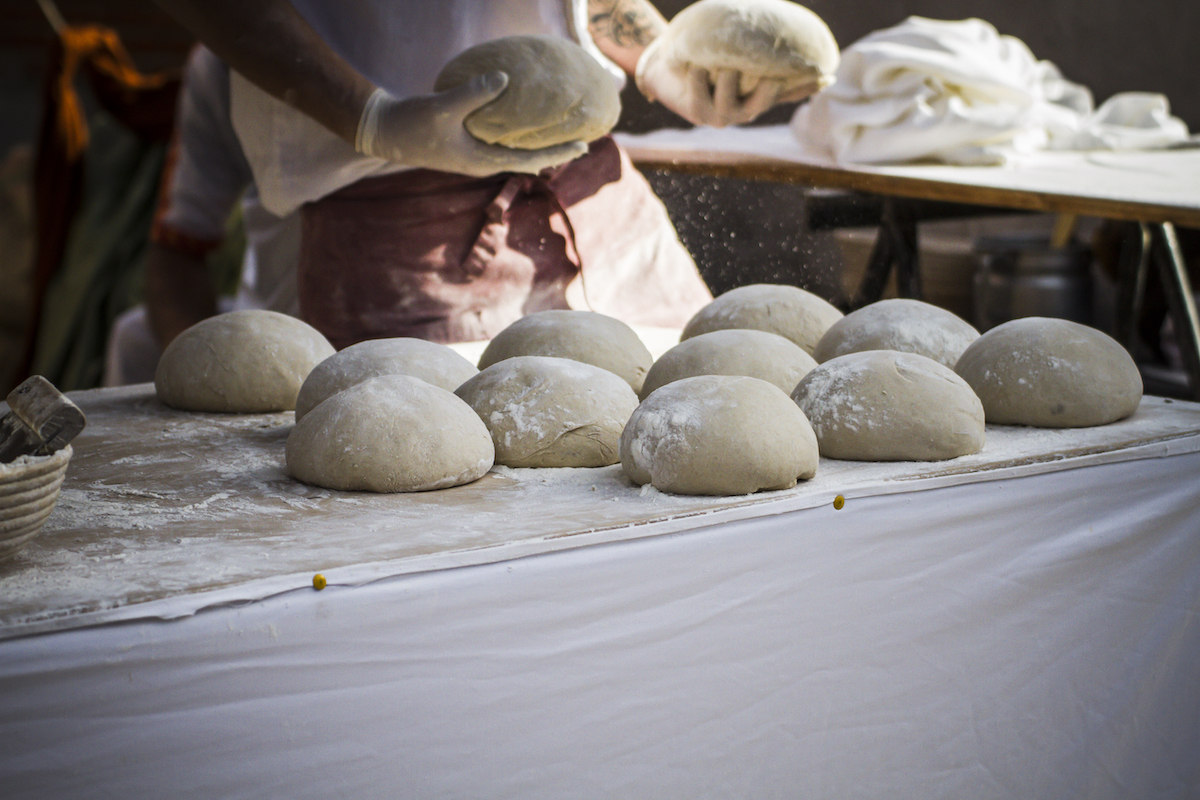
[(562, 388), (1034, 371), (558, 388)]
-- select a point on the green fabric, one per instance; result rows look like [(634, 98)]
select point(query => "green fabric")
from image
[(225, 263), (101, 273)]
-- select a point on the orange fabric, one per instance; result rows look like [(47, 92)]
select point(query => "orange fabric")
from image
[(144, 103)]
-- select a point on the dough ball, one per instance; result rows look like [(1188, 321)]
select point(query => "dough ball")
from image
[(244, 362), (718, 435), (556, 92), (789, 311), (882, 405), (756, 354), (1051, 373), (583, 336), (393, 433), (909, 326), (551, 412), (431, 362), (759, 38)]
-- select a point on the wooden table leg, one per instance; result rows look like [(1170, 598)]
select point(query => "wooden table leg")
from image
[(896, 246), (901, 223)]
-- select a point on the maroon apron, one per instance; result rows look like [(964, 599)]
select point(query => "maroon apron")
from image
[(450, 258)]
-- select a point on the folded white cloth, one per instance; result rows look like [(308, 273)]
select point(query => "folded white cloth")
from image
[(959, 92)]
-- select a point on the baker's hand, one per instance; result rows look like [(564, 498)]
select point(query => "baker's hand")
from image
[(427, 131), (696, 96)]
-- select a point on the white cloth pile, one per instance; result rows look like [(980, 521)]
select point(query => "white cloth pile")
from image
[(959, 92)]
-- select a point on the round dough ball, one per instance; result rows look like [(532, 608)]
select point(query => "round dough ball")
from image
[(556, 92), (789, 311), (882, 405), (583, 336), (393, 433), (431, 362), (247, 362), (756, 354), (759, 38), (718, 435), (551, 412), (1051, 373), (910, 326)]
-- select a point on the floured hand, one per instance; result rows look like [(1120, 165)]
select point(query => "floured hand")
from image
[(428, 131)]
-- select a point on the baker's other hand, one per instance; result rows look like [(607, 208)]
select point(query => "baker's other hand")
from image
[(428, 131), (701, 98)]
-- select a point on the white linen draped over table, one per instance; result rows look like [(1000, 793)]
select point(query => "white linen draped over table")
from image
[(959, 92), (1037, 637), (1020, 623)]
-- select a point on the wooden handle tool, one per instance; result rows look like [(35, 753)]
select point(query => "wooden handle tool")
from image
[(41, 421)]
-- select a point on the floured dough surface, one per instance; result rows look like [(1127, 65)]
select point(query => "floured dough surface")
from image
[(551, 412), (756, 354), (910, 326), (556, 92), (883, 405), (718, 435), (788, 311), (585, 336), (247, 362), (393, 433), (430, 361), (1051, 373), (759, 38)]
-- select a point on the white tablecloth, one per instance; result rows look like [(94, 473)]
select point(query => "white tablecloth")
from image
[(1028, 627)]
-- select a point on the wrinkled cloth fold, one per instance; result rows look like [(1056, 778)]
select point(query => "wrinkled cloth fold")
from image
[(453, 258), (959, 92)]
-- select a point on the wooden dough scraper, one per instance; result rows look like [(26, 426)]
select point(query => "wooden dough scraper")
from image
[(41, 421)]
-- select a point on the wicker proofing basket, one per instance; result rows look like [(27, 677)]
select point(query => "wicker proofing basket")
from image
[(28, 489)]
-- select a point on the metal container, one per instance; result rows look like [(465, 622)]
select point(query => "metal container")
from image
[(1021, 275)]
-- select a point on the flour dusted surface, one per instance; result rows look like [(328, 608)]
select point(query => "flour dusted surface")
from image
[(246, 361), (883, 405), (718, 435), (1051, 373), (551, 412), (432, 362), (910, 326), (393, 433)]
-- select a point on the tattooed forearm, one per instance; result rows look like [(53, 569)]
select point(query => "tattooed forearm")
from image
[(626, 23)]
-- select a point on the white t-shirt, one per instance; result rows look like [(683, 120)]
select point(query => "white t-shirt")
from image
[(210, 175), (400, 45)]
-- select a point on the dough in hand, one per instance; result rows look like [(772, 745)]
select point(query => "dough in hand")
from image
[(1051, 373), (430, 361), (760, 39), (756, 354), (883, 405), (718, 435), (250, 361), (583, 336), (910, 326), (551, 412), (556, 92), (789, 311), (393, 433)]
